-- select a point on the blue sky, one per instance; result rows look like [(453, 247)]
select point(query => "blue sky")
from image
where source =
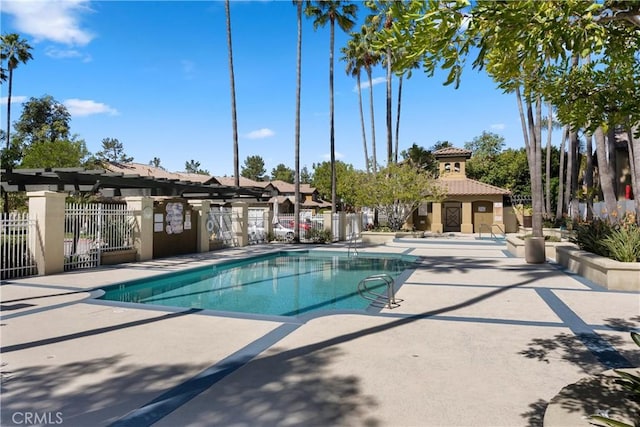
[(155, 76)]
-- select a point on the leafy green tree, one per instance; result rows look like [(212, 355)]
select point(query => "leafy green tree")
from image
[(305, 176), (282, 173), (420, 158), (508, 169), (344, 14), (253, 168), (322, 178), (113, 151), (193, 166), (42, 119), (487, 145), (396, 191), (14, 50), (62, 153), (234, 119), (520, 54)]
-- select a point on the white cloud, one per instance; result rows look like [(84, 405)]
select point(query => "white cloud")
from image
[(365, 83), (260, 133), (14, 99), (51, 20), (498, 126), (87, 107), (56, 53)]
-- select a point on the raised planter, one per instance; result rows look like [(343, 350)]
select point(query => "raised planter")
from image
[(382, 237), (118, 257), (516, 247), (616, 275)]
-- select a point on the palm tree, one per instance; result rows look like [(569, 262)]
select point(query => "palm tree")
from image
[(296, 206), (234, 120), (14, 50), (352, 55), (344, 14), (370, 59)]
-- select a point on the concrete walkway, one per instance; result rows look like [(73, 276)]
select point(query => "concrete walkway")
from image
[(480, 339)]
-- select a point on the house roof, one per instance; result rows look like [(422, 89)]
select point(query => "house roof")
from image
[(156, 172), (286, 187), (469, 187), (452, 152), (244, 182)]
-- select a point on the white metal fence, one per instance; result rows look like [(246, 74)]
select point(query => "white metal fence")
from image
[(220, 225), (90, 229), (600, 209), (17, 244), (310, 226)]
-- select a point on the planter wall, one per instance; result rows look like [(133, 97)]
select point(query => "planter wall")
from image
[(515, 246), (615, 275), (382, 237), (118, 257)]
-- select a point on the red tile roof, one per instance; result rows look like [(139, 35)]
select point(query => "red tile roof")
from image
[(469, 187), (452, 152)]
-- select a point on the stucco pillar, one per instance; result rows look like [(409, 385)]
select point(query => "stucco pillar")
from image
[(143, 234), (328, 223), (239, 223), (467, 222), (202, 207), (47, 208), (436, 223)]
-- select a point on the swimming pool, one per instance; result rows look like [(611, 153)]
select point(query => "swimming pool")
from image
[(286, 283)]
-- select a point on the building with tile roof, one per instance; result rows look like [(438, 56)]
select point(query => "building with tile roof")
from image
[(470, 206)]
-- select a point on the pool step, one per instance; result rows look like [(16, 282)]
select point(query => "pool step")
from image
[(387, 300)]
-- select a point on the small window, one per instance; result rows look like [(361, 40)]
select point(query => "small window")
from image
[(447, 167), (456, 167)]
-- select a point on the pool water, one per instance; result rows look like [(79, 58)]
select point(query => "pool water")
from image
[(284, 283)]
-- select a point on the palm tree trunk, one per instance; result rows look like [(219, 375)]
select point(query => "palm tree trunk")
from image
[(8, 135), (547, 199), (296, 205), (364, 133), (588, 176), (572, 176), (395, 152), (389, 118), (560, 207), (234, 120), (373, 123), (536, 174), (634, 163), (332, 138), (605, 174)]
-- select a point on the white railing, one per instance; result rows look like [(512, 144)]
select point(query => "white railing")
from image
[(220, 225), (310, 225), (90, 229), (17, 244)]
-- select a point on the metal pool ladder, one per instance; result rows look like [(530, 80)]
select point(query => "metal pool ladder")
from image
[(379, 300), (353, 244)]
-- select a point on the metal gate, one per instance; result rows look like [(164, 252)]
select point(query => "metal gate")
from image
[(90, 229), (219, 224)]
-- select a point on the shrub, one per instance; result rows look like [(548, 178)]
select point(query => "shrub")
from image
[(623, 243), (619, 241), (589, 236), (319, 236)]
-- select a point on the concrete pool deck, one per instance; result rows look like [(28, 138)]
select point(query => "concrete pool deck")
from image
[(480, 339)]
